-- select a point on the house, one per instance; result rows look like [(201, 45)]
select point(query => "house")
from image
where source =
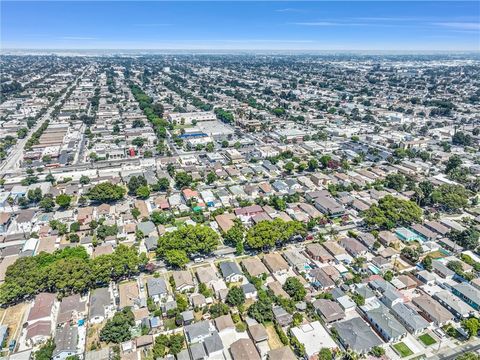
[(43, 308), (282, 316), (225, 221), (183, 280), (244, 349), (224, 323), (100, 303), (66, 341), (353, 246), (389, 328), (72, 308), (207, 275), (454, 304), (213, 346), (357, 335), (320, 279), (421, 230), (435, 226), (283, 353), (329, 206), (38, 332), (387, 238), (314, 337), (296, 259), (276, 264), (367, 239), (431, 310), (157, 289), (409, 318), (318, 252), (426, 277), (231, 272), (254, 267), (277, 289), (128, 293), (330, 311), (249, 291), (258, 333), (441, 269), (5, 221), (468, 293), (197, 332)]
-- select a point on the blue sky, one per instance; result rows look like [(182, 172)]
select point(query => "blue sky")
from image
[(265, 25)]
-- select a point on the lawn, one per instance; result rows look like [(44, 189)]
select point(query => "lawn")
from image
[(427, 340), (402, 349)]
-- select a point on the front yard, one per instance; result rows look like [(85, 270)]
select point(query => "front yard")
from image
[(402, 349), (427, 340)]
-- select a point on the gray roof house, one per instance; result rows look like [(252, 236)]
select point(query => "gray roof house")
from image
[(386, 325), (355, 334), (468, 293), (454, 304), (157, 288), (100, 299), (198, 331), (213, 344), (66, 340), (411, 319), (282, 316), (231, 271)]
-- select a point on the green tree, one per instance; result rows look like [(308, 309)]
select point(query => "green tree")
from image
[(294, 288), (117, 329), (106, 192), (176, 258), (47, 204), (183, 179), (143, 192), (289, 167), (63, 200), (45, 352), (391, 212), (325, 354), (377, 351), (84, 180), (211, 177), (395, 181), (235, 296), (427, 263), (190, 239), (471, 326)]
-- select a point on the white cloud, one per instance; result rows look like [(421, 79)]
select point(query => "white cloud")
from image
[(460, 25)]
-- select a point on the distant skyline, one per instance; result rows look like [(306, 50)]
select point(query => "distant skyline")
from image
[(242, 25)]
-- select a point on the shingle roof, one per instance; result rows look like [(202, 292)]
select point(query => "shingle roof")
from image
[(357, 335)]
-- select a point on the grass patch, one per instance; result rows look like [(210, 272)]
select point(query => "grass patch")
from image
[(402, 349), (169, 324), (427, 340)]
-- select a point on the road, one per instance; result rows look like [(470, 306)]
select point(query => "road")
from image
[(12, 161), (452, 354)]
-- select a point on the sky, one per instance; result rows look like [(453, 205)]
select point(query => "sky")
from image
[(242, 25)]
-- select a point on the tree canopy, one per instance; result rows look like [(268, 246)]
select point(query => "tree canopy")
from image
[(267, 234), (67, 271), (185, 241), (106, 192), (391, 212), (117, 329)]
